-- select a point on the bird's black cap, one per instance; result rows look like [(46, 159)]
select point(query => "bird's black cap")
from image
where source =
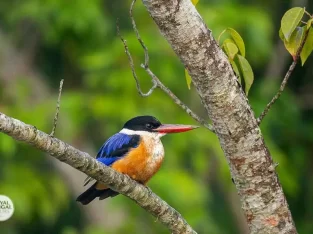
[(143, 123)]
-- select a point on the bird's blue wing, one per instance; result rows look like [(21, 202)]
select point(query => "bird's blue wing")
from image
[(116, 147)]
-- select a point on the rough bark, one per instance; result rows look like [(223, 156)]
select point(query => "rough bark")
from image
[(66, 153), (251, 165)]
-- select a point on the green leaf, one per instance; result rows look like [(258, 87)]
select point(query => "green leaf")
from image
[(307, 48), (236, 70), (188, 78), (295, 40), (247, 72), (238, 40), (194, 2), (290, 21), (230, 48)]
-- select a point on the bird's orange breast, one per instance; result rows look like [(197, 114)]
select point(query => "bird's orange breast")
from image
[(139, 164)]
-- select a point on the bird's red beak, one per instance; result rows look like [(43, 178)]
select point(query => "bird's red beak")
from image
[(174, 128)]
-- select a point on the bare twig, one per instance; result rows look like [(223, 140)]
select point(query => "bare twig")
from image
[(56, 116), (145, 49), (285, 80), (155, 80), (131, 62), (308, 14)]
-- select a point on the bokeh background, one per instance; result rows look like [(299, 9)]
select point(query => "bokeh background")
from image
[(42, 42)]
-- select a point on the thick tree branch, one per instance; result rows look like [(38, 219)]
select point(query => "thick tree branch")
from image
[(66, 153), (251, 165), (285, 80), (155, 80)]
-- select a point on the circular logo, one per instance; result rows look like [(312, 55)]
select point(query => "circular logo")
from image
[(6, 208)]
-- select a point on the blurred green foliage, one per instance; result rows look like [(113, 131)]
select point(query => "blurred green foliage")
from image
[(76, 40)]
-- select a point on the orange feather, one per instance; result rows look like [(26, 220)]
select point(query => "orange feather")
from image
[(137, 165)]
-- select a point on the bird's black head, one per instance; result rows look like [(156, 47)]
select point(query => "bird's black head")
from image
[(143, 123)]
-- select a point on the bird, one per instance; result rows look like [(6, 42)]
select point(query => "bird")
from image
[(136, 151)]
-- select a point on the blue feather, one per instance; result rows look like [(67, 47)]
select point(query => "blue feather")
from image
[(116, 147), (114, 142)]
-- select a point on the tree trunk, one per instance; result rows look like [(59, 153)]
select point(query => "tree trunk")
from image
[(251, 164)]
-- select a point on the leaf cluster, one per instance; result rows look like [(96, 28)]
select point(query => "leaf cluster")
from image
[(294, 30), (234, 47)]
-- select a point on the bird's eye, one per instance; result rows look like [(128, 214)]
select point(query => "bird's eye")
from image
[(149, 126)]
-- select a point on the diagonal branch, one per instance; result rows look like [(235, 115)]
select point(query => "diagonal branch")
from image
[(285, 80), (155, 80), (82, 161)]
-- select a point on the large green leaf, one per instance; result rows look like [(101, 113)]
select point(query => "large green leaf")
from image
[(290, 21), (188, 78), (246, 71), (307, 48), (295, 40), (230, 48), (238, 40)]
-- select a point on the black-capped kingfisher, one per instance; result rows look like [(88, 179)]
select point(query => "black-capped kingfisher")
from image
[(136, 151)]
